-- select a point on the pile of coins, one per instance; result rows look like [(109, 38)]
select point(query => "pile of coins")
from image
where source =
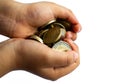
[(52, 33)]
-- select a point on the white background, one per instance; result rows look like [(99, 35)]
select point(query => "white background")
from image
[(99, 43)]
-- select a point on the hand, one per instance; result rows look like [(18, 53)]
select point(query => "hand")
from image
[(22, 20), (37, 58)]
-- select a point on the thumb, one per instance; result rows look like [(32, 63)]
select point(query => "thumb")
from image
[(57, 58)]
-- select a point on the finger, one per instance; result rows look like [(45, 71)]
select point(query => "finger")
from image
[(76, 26), (71, 35), (73, 45), (57, 59), (67, 14)]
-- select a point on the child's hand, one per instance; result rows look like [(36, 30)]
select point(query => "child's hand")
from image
[(22, 20), (37, 58)]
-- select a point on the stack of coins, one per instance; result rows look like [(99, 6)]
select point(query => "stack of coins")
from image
[(52, 34)]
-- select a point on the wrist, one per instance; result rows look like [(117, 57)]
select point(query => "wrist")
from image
[(8, 58)]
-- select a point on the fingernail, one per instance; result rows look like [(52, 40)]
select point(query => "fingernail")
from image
[(75, 56), (79, 30)]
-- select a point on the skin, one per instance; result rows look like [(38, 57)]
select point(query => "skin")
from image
[(18, 21)]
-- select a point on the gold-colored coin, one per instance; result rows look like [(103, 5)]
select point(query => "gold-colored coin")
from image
[(37, 38), (56, 24), (50, 22), (65, 23), (53, 35), (53, 32), (62, 46), (42, 32)]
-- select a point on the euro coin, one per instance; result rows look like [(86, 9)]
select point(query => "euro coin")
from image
[(42, 32), (62, 46), (53, 35), (46, 25), (66, 24), (37, 38), (56, 24)]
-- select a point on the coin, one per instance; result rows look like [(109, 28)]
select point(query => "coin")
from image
[(56, 24), (42, 32), (65, 23), (37, 38), (62, 46), (53, 35), (50, 22)]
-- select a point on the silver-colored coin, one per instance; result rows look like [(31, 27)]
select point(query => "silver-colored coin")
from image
[(62, 46)]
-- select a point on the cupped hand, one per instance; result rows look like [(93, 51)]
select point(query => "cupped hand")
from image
[(22, 20), (38, 59)]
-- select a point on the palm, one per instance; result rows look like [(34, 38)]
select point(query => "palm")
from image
[(51, 65), (32, 17)]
